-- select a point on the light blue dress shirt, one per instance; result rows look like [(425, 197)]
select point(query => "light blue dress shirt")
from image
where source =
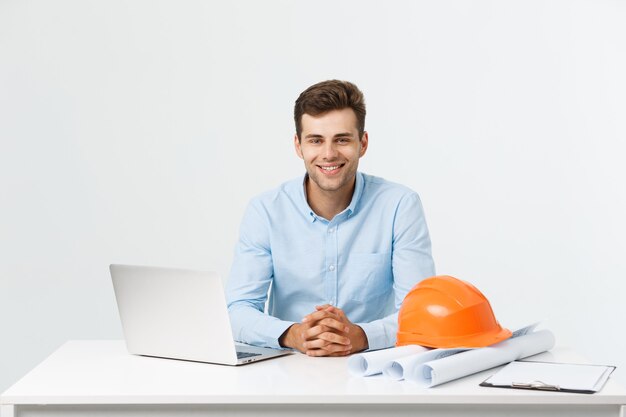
[(363, 261)]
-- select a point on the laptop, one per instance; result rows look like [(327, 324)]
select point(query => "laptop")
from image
[(179, 314)]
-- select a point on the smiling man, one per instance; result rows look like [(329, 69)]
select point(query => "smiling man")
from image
[(337, 250)]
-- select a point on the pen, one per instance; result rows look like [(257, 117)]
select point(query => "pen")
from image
[(536, 385)]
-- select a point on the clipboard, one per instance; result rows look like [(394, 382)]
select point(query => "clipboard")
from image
[(551, 376)]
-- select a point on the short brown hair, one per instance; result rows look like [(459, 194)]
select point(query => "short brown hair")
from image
[(330, 95)]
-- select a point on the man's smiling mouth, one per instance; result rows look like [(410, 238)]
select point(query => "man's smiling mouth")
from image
[(330, 169)]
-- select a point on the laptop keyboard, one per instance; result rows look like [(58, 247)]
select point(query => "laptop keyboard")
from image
[(241, 355)]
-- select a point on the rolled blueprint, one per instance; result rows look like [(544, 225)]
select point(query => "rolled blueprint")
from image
[(438, 371), (371, 363), (398, 368)]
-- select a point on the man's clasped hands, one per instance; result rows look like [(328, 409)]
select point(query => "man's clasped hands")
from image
[(325, 332)]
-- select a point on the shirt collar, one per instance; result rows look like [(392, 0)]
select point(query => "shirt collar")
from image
[(356, 196), (358, 191)]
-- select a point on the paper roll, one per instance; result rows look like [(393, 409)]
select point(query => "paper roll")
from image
[(438, 371), (371, 363), (406, 365)]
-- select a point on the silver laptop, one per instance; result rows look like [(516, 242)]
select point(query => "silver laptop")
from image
[(179, 314)]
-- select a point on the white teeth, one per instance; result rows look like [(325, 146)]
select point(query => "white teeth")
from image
[(330, 168)]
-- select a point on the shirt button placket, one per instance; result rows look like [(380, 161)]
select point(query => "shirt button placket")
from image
[(331, 258)]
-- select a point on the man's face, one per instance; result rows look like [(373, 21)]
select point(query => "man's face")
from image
[(330, 147)]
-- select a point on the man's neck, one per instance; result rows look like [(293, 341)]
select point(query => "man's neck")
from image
[(328, 204)]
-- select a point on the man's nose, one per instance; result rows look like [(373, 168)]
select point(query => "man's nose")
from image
[(330, 151)]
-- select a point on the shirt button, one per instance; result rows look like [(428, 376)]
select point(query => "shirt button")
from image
[(332, 267), (332, 229)]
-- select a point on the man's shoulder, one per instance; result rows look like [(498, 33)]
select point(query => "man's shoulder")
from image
[(376, 186), (287, 191)]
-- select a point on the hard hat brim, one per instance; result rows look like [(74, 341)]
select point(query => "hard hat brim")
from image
[(469, 341)]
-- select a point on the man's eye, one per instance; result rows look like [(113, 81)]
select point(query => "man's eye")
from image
[(315, 141), (343, 140)]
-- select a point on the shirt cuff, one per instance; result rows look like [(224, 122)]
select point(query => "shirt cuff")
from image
[(378, 336), (275, 330)]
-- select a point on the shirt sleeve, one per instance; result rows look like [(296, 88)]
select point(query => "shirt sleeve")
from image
[(411, 262), (250, 278)]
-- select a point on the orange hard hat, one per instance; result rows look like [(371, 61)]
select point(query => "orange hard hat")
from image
[(445, 312)]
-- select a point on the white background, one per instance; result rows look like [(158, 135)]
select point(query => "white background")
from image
[(136, 132)]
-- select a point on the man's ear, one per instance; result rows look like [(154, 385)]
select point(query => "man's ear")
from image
[(296, 144), (364, 143)]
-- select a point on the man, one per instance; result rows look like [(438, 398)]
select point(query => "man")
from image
[(340, 249)]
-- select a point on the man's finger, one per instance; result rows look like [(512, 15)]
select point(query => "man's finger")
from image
[(330, 350), (318, 315), (341, 325), (336, 310), (335, 338), (326, 325), (315, 331), (346, 353), (322, 344), (333, 309), (303, 328), (327, 337)]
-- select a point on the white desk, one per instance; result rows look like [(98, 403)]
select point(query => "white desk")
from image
[(100, 378)]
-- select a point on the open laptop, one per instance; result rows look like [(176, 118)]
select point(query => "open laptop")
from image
[(179, 314)]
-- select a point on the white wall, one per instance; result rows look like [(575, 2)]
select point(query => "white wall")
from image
[(136, 131)]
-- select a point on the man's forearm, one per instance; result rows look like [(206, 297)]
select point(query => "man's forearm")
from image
[(254, 327)]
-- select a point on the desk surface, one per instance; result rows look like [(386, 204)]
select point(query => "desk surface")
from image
[(102, 372)]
